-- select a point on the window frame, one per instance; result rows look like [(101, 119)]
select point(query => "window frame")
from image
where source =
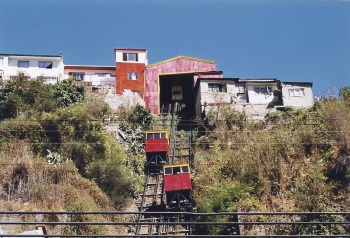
[(132, 56), (292, 92), (20, 64), (185, 169), (168, 171), (150, 135), (177, 170), (217, 87), (130, 75), (45, 64), (74, 74), (240, 89)]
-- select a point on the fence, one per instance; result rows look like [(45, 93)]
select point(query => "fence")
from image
[(230, 224)]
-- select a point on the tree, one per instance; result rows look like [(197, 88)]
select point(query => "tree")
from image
[(66, 93), (344, 93), (21, 95)]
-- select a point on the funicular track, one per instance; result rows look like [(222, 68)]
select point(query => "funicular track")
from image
[(152, 199)]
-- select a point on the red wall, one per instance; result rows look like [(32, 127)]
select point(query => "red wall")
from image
[(178, 65), (177, 182), (156, 145), (122, 81)]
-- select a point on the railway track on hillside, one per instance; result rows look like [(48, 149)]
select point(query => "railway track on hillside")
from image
[(152, 200), (153, 197)]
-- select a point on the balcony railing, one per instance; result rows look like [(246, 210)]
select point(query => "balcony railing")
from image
[(95, 80)]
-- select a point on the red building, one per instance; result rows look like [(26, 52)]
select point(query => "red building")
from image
[(130, 70), (164, 84)]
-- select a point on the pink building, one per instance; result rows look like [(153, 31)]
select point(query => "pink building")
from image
[(173, 80)]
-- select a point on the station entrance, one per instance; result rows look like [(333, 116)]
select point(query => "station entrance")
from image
[(176, 93)]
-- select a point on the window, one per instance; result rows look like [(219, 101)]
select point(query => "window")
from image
[(133, 76), (77, 76), (299, 92), (177, 92), (130, 57), (241, 89), (168, 171), (176, 170), (260, 90), (1, 60), (217, 87), (184, 169), (149, 135), (23, 64), (156, 135), (263, 90), (45, 64)]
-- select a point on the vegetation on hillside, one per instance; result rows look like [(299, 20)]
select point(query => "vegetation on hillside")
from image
[(294, 161), (57, 155), (55, 152)]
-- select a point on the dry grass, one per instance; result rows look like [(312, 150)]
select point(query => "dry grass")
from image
[(284, 163)]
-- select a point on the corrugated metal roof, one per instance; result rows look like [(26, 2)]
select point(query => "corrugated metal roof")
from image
[(181, 57)]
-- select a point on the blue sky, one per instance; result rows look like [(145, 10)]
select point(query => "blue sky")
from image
[(291, 40)]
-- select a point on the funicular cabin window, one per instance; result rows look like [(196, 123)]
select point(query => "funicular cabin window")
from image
[(45, 64), (176, 170), (184, 169), (214, 87), (163, 135), (130, 57), (168, 170), (156, 135), (149, 135)]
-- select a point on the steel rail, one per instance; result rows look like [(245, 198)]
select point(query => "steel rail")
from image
[(140, 215), (177, 223), (260, 236), (347, 213)]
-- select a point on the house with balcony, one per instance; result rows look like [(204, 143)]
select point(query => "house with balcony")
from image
[(48, 66), (90, 75)]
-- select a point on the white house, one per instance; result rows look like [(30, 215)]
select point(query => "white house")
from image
[(260, 91), (89, 75), (255, 97), (49, 66), (297, 94)]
